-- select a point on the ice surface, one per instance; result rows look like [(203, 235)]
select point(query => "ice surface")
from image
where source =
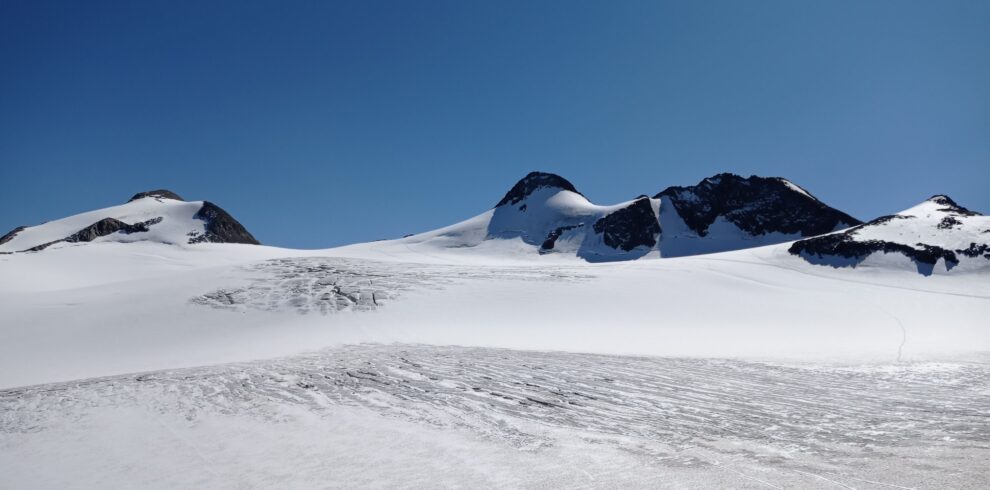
[(427, 416)]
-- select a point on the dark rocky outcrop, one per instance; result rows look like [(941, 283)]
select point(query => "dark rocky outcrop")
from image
[(533, 182), (633, 226), (845, 246), (11, 234), (552, 237), (221, 227), (103, 227), (950, 206), (757, 205), (158, 194), (975, 250), (847, 249)]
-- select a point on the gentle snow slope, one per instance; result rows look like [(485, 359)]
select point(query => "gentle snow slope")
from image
[(111, 308)]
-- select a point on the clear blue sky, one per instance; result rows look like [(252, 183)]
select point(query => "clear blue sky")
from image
[(324, 123)]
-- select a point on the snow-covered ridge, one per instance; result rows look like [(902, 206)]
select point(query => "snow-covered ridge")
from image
[(551, 214), (545, 214), (159, 216), (936, 235)]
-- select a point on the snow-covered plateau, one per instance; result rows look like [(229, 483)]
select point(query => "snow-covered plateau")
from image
[(549, 342)]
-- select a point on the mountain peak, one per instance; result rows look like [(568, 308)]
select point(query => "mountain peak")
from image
[(533, 182), (757, 205), (942, 199), (949, 205), (157, 194)]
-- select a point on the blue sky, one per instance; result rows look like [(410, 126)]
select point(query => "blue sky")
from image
[(324, 123)]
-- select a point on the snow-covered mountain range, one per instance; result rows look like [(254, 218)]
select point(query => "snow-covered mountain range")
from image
[(158, 216), (544, 214), (692, 338)]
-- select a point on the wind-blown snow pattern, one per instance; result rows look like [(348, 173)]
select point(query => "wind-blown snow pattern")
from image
[(521, 348), (425, 417)]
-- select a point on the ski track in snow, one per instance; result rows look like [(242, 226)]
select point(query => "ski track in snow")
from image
[(805, 425), (327, 285)]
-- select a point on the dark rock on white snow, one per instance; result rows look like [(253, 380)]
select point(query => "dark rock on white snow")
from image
[(936, 230), (157, 194), (11, 234), (757, 205), (221, 227), (103, 227), (630, 227), (532, 182)]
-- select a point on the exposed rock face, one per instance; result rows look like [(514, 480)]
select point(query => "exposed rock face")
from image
[(11, 234), (951, 231), (107, 226), (221, 227), (747, 212), (552, 237), (158, 194), (757, 205), (846, 246), (630, 227), (186, 222), (531, 183), (547, 211), (950, 206), (103, 227)]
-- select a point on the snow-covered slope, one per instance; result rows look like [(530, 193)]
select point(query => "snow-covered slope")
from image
[(380, 355), (546, 211), (935, 236), (127, 302), (158, 216)]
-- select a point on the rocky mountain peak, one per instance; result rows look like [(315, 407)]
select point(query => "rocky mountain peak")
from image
[(950, 206), (757, 205), (157, 194), (533, 182)]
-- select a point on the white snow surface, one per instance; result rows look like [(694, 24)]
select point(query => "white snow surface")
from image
[(176, 227), (796, 188), (920, 224), (417, 416), (85, 310), (446, 359)]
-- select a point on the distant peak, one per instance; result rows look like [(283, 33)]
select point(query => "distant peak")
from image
[(725, 181), (533, 182), (158, 194), (949, 205), (718, 178), (943, 200)]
